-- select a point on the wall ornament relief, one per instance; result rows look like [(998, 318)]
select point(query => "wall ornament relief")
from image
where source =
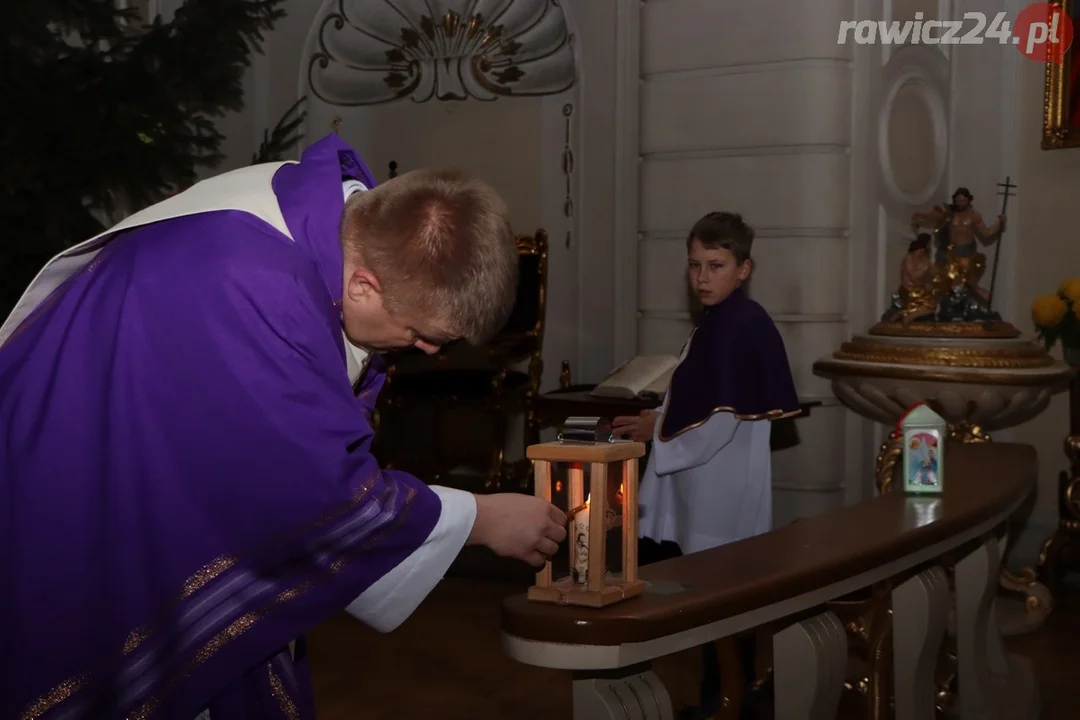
[(439, 49), (926, 73)]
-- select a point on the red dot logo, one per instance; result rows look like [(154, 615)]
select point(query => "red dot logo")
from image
[(1043, 32)]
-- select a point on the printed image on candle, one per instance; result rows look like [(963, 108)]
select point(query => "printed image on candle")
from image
[(581, 544)]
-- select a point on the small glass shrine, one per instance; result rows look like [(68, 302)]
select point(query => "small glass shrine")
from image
[(924, 433)]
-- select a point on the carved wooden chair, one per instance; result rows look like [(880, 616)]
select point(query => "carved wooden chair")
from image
[(427, 401)]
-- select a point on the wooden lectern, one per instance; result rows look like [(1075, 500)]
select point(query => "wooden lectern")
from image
[(588, 441)]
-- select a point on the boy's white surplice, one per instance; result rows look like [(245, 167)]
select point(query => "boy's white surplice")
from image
[(709, 485)]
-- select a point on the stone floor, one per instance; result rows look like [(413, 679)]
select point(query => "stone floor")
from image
[(446, 662)]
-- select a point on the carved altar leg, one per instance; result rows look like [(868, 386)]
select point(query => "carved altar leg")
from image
[(1016, 616), (867, 621), (991, 684), (732, 681), (885, 467), (633, 693), (920, 613), (968, 433), (996, 660), (1027, 614), (975, 575), (1060, 551), (810, 659), (1036, 602)]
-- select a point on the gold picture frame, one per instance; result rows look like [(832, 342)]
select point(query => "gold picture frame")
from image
[(1061, 96)]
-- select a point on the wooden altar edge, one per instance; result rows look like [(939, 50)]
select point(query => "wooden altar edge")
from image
[(780, 574)]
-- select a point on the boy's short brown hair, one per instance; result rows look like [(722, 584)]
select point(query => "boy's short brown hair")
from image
[(724, 230), (441, 245)]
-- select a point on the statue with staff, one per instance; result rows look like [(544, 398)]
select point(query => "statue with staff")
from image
[(952, 291)]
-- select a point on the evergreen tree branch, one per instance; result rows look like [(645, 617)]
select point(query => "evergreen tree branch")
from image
[(283, 137), (112, 114)]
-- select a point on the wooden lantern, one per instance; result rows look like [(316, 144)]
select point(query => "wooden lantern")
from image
[(923, 432), (590, 516)]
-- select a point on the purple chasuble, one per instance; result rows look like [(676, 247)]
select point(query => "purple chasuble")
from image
[(186, 483), (736, 363)]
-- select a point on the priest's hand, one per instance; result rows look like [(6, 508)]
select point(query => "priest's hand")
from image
[(519, 526), (638, 428)]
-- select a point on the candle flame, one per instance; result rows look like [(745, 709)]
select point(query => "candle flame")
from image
[(620, 488), (587, 500)]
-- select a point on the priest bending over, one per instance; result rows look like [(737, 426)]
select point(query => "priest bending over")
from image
[(187, 485)]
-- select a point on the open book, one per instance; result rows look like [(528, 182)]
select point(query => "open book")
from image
[(646, 377)]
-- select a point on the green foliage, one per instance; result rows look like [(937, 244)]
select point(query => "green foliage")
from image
[(284, 136), (106, 114)]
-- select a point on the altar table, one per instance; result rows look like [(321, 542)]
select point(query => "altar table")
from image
[(934, 560)]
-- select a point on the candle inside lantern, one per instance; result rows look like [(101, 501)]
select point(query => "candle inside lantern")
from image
[(580, 565)]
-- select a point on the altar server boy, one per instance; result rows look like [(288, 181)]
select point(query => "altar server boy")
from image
[(709, 480)]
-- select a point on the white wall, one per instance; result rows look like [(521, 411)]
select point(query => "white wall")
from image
[(904, 154), (516, 144), (747, 107)]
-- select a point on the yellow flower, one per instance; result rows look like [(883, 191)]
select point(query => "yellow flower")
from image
[(1070, 289), (1048, 310)]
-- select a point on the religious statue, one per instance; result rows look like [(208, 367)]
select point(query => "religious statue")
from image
[(920, 285), (959, 226), (958, 264)]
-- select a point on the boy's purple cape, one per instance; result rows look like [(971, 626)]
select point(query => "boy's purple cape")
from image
[(186, 484), (736, 364)]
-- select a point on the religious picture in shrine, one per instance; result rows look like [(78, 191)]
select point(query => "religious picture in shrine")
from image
[(923, 432), (923, 447)]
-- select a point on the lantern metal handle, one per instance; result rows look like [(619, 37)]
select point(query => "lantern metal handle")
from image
[(580, 430)]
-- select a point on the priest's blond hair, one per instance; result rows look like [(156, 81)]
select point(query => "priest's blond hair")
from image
[(441, 244)]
